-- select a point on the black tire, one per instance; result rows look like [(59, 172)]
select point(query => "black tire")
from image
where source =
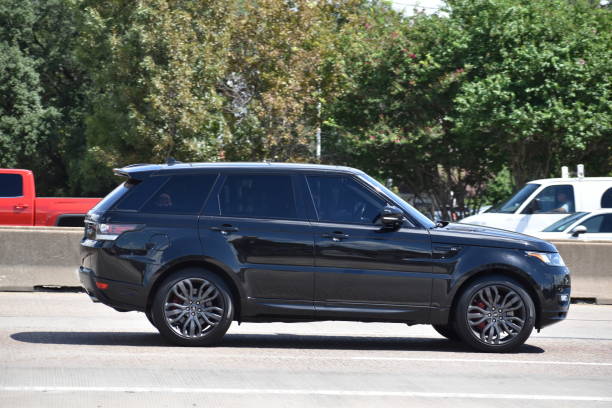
[(489, 328), (447, 330), (186, 329), (150, 317)]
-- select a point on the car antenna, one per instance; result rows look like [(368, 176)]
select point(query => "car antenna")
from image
[(170, 161)]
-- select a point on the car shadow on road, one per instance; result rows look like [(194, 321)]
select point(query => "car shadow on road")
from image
[(258, 341)]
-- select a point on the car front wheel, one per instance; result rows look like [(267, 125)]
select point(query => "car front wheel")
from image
[(193, 308), (448, 331), (495, 314)]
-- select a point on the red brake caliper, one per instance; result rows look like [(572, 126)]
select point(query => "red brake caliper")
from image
[(482, 306)]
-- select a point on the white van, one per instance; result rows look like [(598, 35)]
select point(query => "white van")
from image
[(542, 202)]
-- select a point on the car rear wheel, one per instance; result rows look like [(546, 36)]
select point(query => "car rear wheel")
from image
[(192, 308), (495, 314)]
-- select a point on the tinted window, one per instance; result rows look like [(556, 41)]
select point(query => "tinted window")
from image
[(341, 199), (258, 195), (599, 223), (426, 222), (181, 194), (11, 185), (552, 199), (140, 193), (606, 199), (112, 197)]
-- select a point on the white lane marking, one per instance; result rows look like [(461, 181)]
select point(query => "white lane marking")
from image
[(373, 358), (268, 391)]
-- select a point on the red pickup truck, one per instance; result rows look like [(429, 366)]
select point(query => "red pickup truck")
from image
[(20, 206)]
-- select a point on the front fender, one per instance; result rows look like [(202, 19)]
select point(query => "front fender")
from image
[(476, 261)]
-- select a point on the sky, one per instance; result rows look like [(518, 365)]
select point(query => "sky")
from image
[(407, 6)]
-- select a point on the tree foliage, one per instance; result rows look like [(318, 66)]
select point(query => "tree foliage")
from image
[(447, 104)]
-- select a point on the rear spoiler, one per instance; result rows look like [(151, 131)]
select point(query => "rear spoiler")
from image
[(136, 171)]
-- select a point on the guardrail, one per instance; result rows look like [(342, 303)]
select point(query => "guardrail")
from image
[(38, 256), (49, 256), (591, 265)]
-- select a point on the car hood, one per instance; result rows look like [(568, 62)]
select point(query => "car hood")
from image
[(476, 235)]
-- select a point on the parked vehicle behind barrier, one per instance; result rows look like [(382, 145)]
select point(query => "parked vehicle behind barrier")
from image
[(580, 226), (540, 203), (196, 246), (20, 206)]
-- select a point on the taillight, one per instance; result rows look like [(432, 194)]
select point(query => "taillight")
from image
[(110, 232), (102, 285)]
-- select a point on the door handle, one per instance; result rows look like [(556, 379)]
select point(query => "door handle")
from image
[(21, 206), (225, 229), (336, 236)]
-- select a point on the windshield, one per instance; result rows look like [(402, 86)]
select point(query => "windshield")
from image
[(414, 213), (564, 222), (515, 201)]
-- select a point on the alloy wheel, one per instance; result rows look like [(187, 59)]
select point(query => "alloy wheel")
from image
[(193, 307), (496, 314)]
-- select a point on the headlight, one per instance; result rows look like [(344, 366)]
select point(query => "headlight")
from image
[(549, 258)]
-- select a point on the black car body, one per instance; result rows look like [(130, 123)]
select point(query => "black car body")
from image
[(297, 242)]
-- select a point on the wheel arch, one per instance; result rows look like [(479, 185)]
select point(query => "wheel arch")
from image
[(518, 275), (207, 264)]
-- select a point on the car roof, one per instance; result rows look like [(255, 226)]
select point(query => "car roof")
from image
[(600, 211), (571, 180), (134, 169)]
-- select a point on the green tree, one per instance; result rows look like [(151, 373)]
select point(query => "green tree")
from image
[(23, 119), (45, 35), (539, 83), (443, 103), (157, 64)]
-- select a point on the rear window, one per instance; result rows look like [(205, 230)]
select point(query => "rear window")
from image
[(140, 193), (11, 185), (112, 197), (181, 194)]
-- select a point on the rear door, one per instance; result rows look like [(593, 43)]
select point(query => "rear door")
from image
[(16, 200), (255, 224), (362, 268)]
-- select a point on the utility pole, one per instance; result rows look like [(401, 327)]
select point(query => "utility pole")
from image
[(318, 151)]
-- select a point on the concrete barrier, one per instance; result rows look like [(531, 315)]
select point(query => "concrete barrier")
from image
[(49, 256), (38, 256), (591, 267)]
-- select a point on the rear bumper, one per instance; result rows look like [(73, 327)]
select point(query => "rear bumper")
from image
[(119, 295)]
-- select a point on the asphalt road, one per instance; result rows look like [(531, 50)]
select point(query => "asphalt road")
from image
[(61, 350)]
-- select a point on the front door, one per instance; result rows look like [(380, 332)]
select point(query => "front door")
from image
[(360, 266), (16, 205), (261, 232)]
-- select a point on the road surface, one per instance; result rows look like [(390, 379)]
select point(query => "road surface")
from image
[(62, 350)]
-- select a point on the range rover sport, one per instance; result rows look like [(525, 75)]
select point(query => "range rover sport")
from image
[(197, 246)]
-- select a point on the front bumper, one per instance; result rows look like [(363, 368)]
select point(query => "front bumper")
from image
[(556, 297)]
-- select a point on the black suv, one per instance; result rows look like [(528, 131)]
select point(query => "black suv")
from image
[(196, 246)]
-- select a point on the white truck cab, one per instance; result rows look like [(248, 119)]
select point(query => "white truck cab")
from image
[(542, 202)]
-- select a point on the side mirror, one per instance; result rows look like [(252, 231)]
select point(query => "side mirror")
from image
[(580, 229), (391, 217)]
